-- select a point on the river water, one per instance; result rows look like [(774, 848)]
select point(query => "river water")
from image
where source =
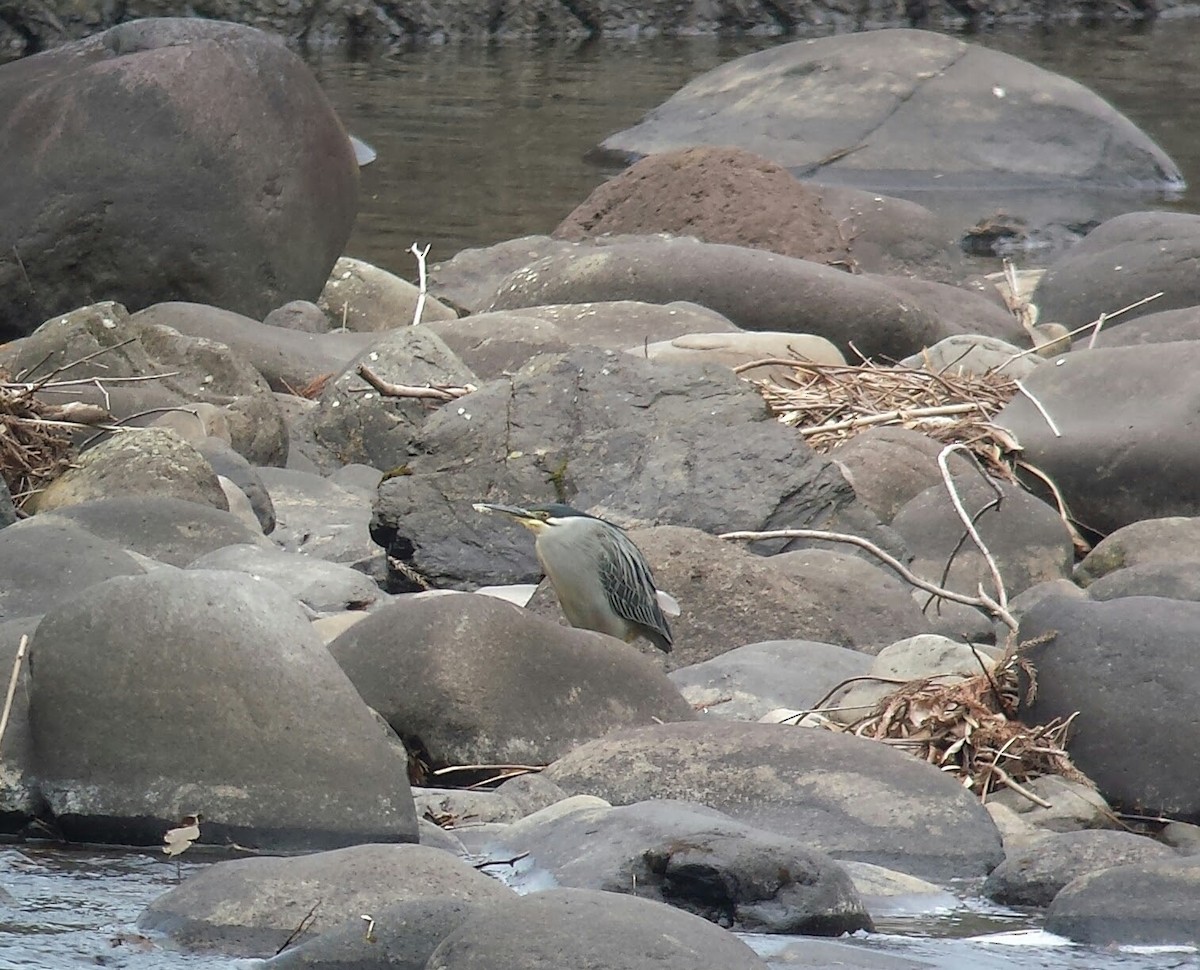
[(480, 144)]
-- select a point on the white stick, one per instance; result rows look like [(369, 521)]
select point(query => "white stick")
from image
[(1041, 410), (943, 456), (421, 278), (12, 685)]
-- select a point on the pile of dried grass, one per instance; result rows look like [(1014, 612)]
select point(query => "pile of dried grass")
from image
[(970, 728), (829, 403)]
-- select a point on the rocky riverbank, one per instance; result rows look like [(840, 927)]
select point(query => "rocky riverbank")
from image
[(241, 578)]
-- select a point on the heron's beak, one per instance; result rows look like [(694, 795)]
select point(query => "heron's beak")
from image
[(524, 516)]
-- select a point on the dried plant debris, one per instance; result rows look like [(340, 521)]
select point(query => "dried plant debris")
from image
[(35, 439), (830, 403), (970, 728)]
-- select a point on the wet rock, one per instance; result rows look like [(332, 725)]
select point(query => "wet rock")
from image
[(627, 439), (1151, 903), (1033, 876), (323, 587), (46, 560), (1025, 536), (469, 679), (716, 194), (573, 927), (250, 907), (151, 462), (1169, 540), (402, 937), (357, 423), (288, 360), (691, 858), (1122, 261), (271, 174), (366, 299), (100, 342), (886, 892), (289, 756), (756, 290), (1124, 415), (929, 101), (1126, 666), (839, 794), (750, 681), (170, 530)]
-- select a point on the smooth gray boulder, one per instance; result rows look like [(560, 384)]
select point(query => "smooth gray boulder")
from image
[(628, 439), (1128, 666), (580, 927), (839, 794), (250, 907), (469, 679), (162, 695), (322, 519), (1170, 540)]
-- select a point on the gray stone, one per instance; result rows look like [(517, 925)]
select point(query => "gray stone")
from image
[(1072, 805), (228, 464), (167, 529), (617, 324), (1169, 580), (8, 510), (578, 428), (323, 587), (497, 344), (746, 683), (733, 349), (289, 756), (243, 208), (975, 354), (364, 298), (692, 858), (928, 101), (402, 937), (147, 462), (94, 344), (1123, 261), (250, 907), (1033, 876), (468, 679), (288, 360), (1163, 327), (458, 807), (1124, 414), (531, 792), (969, 317), (756, 290), (1169, 540), (1149, 903), (1126, 666), (20, 800), (1025, 536), (577, 927), (45, 560), (852, 798), (356, 423), (302, 316)]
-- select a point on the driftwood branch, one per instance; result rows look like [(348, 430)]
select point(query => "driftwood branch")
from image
[(429, 392), (12, 685)]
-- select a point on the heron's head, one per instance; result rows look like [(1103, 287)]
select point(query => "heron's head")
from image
[(538, 519)]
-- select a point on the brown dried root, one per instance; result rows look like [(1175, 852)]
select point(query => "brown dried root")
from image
[(830, 403), (35, 440), (970, 728)]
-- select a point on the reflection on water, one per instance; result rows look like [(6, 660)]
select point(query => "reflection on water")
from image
[(482, 143)]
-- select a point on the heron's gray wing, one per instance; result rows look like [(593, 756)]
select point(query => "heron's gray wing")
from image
[(629, 585)]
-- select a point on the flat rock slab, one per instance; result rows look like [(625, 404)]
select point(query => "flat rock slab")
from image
[(1150, 903), (1128, 666), (1126, 417), (851, 798), (904, 107), (249, 907), (582, 927)]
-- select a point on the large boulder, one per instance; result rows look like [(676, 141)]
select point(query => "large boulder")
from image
[(880, 106), (1128, 666), (849, 797), (690, 857), (629, 439), (139, 191), (469, 679), (252, 907), (1121, 447), (581, 927), (163, 695)]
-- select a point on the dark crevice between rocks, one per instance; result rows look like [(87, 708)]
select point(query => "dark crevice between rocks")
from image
[(787, 23), (590, 23)]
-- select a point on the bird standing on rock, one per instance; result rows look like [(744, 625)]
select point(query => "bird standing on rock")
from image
[(601, 578)]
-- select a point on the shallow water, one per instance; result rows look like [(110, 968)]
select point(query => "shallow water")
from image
[(479, 144)]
